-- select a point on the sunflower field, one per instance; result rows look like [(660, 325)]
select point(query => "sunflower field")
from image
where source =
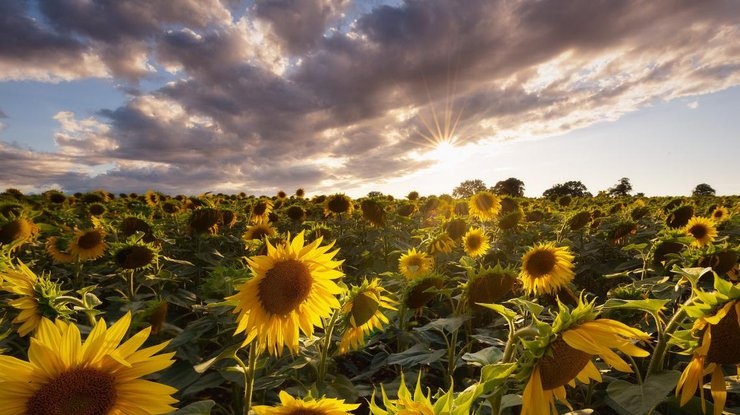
[(288, 305)]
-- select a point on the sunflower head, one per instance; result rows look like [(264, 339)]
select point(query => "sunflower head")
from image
[(205, 220), (442, 244), (720, 214), (414, 264), (420, 403), (292, 288), (475, 242), (407, 209), (55, 197), (338, 204), (373, 212), (723, 262), (662, 255), (702, 229), (307, 406), (680, 217), (296, 213), (363, 312), (131, 225), (621, 231), (171, 206), (484, 205), (258, 232), (96, 209), (261, 211), (422, 290), (88, 244), (488, 285), (300, 193), (151, 198), (135, 256), (546, 269), (57, 250), (510, 220), (18, 231), (579, 220), (456, 228)]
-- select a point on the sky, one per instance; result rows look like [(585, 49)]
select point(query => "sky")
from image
[(356, 96)]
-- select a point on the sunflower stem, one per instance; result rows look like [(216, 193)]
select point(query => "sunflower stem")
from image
[(328, 332), (248, 370), (636, 368), (658, 359), (514, 337), (131, 288)]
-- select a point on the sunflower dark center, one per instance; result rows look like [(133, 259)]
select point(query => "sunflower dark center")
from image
[(540, 263), (285, 286), (474, 242), (698, 231), (563, 365), (259, 209), (414, 261), (724, 348), (484, 202), (16, 230), (90, 240), (306, 411), (260, 232), (338, 204), (135, 256), (364, 307), (77, 392)]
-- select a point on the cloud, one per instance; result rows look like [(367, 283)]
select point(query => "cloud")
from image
[(289, 93), (693, 105)]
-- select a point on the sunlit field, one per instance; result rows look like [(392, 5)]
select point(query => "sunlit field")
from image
[(484, 303)]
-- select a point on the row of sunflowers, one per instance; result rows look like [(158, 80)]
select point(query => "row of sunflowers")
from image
[(236, 304)]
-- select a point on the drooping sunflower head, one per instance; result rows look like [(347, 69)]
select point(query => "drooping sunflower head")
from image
[(422, 290), (307, 406), (722, 261), (18, 231), (406, 209), (205, 220), (258, 232), (131, 225), (292, 289), (373, 212), (88, 244), (441, 244), (296, 213), (680, 217), (579, 220), (702, 229), (55, 197), (475, 242), (563, 353), (261, 211), (65, 375), (712, 341), (171, 206), (546, 269), (622, 231), (510, 220), (338, 204), (456, 228), (414, 264), (662, 256), (34, 296), (488, 285), (135, 256), (57, 250), (363, 312), (484, 205)]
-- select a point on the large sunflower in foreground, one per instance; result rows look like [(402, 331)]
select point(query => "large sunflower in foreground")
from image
[(713, 341), (293, 288), (99, 376), (292, 406), (88, 244), (475, 242), (34, 297), (702, 229), (546, 269), (364, 314), (484, 205), (564, 354), (414, 264)]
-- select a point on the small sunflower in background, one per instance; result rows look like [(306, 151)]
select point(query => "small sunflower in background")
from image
[(18, 231), (96, 209), (475, 242), (308, 406), (205, 220), (281, 195), (338, 204), (296, 213), (258, 232), (293, 288), (300, 193), (720, 214), (484, 205), (414, 264), (57, 250), (373, 212), (152, 198), (563, 353), (88, 244), (442, 244), (364, 314), (35, 297), (261, 211), (456, 228), (702, 229), (712, 340), (546, 269), (65, 375), (135, 255)]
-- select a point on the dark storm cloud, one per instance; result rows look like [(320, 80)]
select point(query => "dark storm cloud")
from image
[(276, 95)]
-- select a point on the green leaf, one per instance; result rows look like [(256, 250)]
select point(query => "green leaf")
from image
[(651, 305), (419, 354), (227, 353), (508, 314), (196, 408), (496, 374), (510, 400), (629, 399), (449, 324), (484, 356)]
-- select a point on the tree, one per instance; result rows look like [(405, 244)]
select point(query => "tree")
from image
[(623, 188), (572, 188), (703, 190), (511, 187), (469, 188)]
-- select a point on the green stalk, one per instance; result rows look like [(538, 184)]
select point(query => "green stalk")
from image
[(514, 337), (328, 332), (658, 359), (248, 371)]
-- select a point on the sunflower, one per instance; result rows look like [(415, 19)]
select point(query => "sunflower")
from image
[(456, 228), (488, 285), (151, 198), (258, 231), (702, 229), (421, 290), (57, 254), (414, 264), (338, 204), (205, 220), (546, 269), (293, 288), (36, 297), (475, 242), (296, 213), (565, 351), (300, 193), (720, 214), (65, 375), (420, 403), (309, 406), (96, 209), (442, 244), (364, 314), (261, 211), (484, 205), (134, 256), (712, 340), (373, 212), (88, 244), (18, 231)]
